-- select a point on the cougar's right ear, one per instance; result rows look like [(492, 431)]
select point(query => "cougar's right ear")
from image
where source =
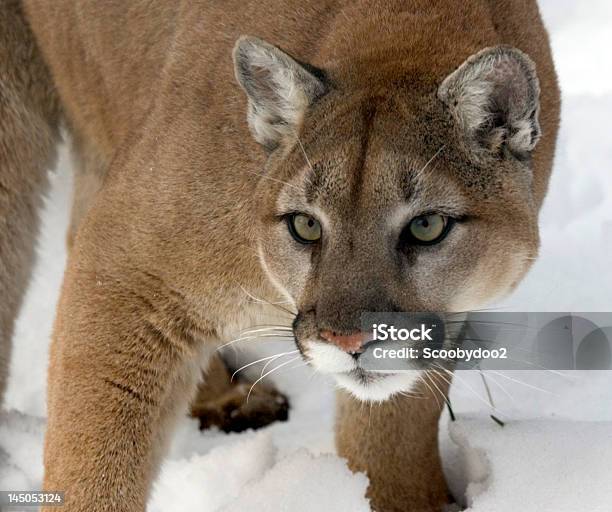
[(279, 89), (494, 99)]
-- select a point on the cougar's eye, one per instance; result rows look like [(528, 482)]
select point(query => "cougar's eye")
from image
[(304, 228), (426, 229)]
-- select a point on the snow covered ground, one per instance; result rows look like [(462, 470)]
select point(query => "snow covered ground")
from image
[(553, 452)]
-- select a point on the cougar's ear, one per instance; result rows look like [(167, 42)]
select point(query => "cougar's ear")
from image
[(494, 99), (278, 88)]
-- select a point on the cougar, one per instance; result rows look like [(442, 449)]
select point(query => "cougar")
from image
[(336, 157)]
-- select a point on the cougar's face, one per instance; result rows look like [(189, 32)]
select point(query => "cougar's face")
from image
[(381, 198), (375, 209)]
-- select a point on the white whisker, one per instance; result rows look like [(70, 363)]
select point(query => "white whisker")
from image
[(430, 388), (259, 337), (268, 373), (262, 359), (503, 389), (268, 363), (409, 394), (464, 383), (523, 383), (304, 152), (261, 300), (431, 159), (432, 380)]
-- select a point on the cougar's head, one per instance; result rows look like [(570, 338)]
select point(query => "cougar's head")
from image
[(390, 196)]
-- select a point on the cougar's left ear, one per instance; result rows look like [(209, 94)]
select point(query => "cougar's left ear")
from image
[(494, 99), (279, 89)]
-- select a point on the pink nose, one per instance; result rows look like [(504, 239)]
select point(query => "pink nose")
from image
[(347, 342)]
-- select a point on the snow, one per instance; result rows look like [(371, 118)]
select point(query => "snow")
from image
[(255, 478), (563, 466), (303, 480), (21, 440), (553, 452)]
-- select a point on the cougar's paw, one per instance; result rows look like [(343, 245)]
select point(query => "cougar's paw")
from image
[(232, 412)]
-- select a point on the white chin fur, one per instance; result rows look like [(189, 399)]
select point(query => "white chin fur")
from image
[(326, 358), (382, 388)]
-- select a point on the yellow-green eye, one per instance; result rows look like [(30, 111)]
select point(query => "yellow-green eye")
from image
[(428, 229), (304, 228)]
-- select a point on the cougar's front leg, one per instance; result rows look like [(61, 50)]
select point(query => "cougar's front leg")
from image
[(396, 444), (125, 359)]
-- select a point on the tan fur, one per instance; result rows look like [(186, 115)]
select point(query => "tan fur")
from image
[(90, 168), (405, 448), (183, 231)]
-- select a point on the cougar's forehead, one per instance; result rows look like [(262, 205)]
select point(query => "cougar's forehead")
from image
[(370, 162)]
